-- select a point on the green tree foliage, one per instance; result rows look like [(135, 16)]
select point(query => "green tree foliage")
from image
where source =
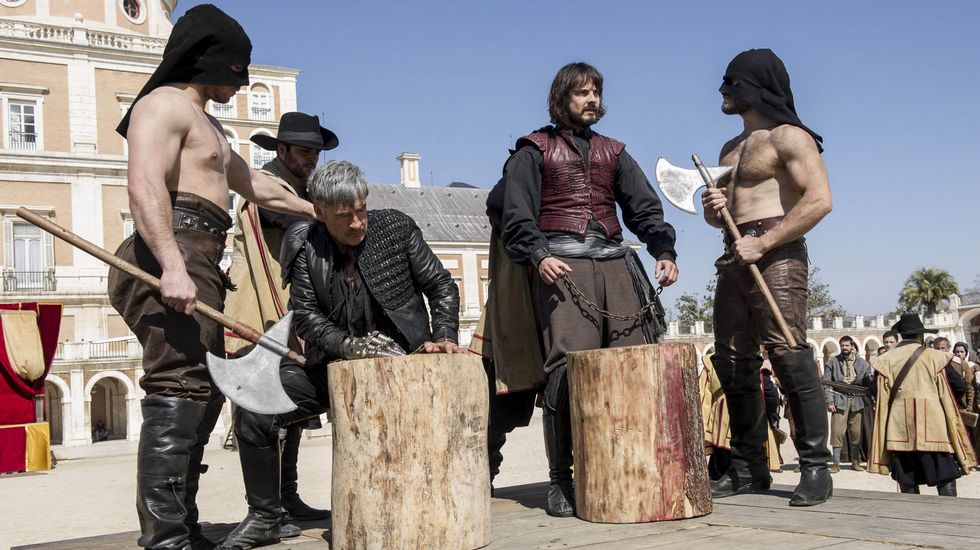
[(926, 289), (819, 302), (692, 308)]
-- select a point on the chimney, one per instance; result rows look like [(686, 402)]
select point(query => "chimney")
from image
[(410, 169)]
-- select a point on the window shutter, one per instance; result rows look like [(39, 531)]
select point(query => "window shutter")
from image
[(48, 250)]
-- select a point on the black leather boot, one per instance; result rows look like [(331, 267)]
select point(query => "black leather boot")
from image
[(748, 470), (558, 447), (495, 442), (293, 507), (947, 488), (168, 433), (799, 377), (908, 489), (260, 468)]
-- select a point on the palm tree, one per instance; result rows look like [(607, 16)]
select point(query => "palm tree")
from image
[(926, 288)]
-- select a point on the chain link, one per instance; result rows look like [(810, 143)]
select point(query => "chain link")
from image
[(577, 294)]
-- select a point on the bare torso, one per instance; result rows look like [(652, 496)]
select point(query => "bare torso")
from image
[(761, 185), (201, 167)]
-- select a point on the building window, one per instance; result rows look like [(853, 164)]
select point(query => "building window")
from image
[(23, 125), (260, 103), (124, 107), (222, 110), (133, 10), (260, 156), (128, 225), (28, 257)]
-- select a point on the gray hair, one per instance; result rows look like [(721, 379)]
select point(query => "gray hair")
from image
[(337, 182)]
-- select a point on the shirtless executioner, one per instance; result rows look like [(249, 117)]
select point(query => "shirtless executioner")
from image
[(180, 171), (777, 192)]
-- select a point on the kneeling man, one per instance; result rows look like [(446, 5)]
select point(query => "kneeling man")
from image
[(356, 293)]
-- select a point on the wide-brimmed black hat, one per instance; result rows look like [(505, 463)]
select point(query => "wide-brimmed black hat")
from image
[(909, 323), (299, 129)]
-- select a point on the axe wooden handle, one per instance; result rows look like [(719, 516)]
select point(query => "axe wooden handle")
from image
[(754, 269), (245, 331)]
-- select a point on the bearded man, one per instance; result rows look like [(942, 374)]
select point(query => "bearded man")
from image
[(776, 193), (560, 192)]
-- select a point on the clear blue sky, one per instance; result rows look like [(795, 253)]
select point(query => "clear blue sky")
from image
[(893, 87)]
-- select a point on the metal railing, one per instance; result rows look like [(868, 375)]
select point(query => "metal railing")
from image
[(261, 113), (29, 281), (223, 110), (23, 141), (114, 348)]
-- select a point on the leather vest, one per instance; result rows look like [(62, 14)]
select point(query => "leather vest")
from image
[(574, 191)]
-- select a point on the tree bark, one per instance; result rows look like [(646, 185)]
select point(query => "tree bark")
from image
[(637, 434), (410, 463)]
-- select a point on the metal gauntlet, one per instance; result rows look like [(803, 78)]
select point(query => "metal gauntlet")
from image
[(374, 344)]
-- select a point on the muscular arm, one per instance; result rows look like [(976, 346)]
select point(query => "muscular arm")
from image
[(264, 189), (158, 126), (806, 172)]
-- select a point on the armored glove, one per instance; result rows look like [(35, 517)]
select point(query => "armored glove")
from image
[(374, 344)]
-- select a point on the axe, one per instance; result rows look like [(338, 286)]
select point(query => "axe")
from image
[(679, 186), (252, 381)]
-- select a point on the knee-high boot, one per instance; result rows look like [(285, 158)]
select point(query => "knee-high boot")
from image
[(495, 442), (260, 468), (946, 488), (293, 507), (168, 433), (798, 374), (748, 470), (194, 470), (558, 447)]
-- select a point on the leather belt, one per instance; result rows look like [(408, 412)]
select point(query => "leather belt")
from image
[(758, 228), (189, 219)]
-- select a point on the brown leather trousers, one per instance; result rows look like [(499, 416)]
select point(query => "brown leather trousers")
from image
[(175, 345), (742, 319)]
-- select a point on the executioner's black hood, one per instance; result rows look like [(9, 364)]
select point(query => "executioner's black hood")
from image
[(759, 78), (204, 45)]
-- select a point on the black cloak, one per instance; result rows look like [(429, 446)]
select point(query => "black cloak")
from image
[(202, 48), (759, 78)]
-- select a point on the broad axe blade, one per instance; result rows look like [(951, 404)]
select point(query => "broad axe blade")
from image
[(679, 185), (252, 382)]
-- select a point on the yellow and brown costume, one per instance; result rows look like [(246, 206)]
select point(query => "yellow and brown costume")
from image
[(924, 416)]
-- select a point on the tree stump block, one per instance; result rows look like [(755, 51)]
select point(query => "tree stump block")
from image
[(637, 434), (410, 463)]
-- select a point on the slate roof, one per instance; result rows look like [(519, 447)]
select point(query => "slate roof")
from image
[(445, 214)]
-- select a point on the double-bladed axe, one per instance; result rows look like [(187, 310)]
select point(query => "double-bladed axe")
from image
[(679, 185), (251, 382)]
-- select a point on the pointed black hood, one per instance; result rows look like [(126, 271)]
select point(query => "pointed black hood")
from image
[(759, 78), (202, 48)]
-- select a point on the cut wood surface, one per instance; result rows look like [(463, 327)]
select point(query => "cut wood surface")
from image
[(637, 434), (410, 453)]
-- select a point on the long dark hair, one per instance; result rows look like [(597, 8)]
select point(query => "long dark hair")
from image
[(568, 78)]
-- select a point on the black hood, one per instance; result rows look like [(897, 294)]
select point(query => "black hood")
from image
[(759, 78), (202, 48)]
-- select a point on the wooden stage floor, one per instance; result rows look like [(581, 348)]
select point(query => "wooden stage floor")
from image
[(852, 520)]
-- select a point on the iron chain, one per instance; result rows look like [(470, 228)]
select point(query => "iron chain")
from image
[(577, 294)]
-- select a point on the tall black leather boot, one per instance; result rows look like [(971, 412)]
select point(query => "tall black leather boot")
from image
[(748, 470), (260, 468), (293, 507), (908, 489), (168, 433), (798, 374), (194, 470), (558, 447), (946, 488), (495, 442)]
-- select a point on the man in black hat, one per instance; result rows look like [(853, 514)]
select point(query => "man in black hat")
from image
[(259, 299), (180, 172), (919, 436), (778, 191)]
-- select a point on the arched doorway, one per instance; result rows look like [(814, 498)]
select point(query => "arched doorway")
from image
[(871, 348), (53, 400), (108, 410), (830, 349)]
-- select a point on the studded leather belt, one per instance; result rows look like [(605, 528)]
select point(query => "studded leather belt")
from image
[(758, 228), (189, 219)]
